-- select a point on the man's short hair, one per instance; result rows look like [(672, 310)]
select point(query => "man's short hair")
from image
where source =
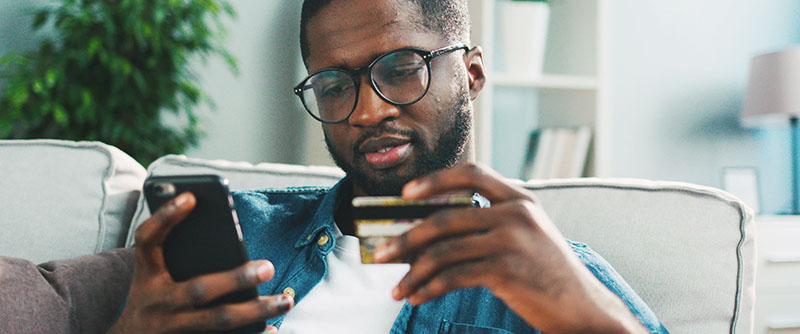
[(447, 17)]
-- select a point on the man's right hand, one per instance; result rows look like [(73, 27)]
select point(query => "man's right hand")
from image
[(158, 304)]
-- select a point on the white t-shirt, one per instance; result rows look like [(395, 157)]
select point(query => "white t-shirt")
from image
[(351, 298)]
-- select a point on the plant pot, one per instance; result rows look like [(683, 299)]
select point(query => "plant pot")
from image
[(523, 26)]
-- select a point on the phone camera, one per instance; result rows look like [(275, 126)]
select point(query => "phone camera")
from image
[(164, 189)]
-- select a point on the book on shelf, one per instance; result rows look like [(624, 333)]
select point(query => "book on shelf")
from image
[(557, 152)]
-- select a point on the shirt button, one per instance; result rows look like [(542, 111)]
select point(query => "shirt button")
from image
[(289, 292), (323, 240)]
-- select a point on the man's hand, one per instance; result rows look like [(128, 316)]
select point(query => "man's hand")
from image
[(512, 248), (157, 304)]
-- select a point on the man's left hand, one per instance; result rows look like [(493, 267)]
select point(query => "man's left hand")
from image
[(511, 248)]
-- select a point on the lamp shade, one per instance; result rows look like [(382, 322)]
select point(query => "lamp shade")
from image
[(773, 91)]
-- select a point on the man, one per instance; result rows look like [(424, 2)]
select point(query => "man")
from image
[(392, 82)]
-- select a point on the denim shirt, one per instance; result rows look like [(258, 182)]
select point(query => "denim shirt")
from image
[(294, 228)]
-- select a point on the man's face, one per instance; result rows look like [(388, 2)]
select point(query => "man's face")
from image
[(382, 146)]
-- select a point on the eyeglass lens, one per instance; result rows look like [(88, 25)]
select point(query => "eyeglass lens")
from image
[(401, 77)]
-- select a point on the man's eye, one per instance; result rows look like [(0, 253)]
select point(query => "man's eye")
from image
[(335, 90), (405, 71)]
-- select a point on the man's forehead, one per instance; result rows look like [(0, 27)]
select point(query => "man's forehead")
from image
[(350, 33)]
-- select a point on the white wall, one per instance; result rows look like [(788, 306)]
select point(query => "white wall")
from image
[(258, 118), (678, 71)]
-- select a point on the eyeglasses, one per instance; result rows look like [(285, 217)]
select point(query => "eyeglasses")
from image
[(400, 77)]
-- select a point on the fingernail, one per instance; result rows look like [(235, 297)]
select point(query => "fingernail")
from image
[(379, 254), (181, 199), (272, 330), (413, 300), (263, 271), (396, 293), (285, 303), (385, 251), (413, 188)]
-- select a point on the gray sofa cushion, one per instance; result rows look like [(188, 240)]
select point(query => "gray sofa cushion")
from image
[(688, 250), (62, 199)]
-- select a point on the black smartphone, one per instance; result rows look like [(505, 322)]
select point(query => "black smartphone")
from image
[(209, 240)]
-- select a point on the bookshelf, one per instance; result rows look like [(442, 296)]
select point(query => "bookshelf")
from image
[(570, 92)]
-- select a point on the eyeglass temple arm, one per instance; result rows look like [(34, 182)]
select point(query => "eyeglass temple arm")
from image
[(448, 49)]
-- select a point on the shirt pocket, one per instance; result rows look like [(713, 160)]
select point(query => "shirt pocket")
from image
[(448, 327)]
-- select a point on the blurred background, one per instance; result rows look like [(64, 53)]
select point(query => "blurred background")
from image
[(659, 85)]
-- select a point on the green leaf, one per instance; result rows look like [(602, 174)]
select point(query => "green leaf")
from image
[(95, 44), (38, 87), (230, 60), (147, 30), (228, 8), (40, 18), (86, 98), (11, 58), (60, 115), (190, 91), (51, 77), (126, 67), (19, 95)]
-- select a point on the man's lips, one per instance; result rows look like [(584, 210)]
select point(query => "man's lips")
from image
[(389, 157), (376, 144), (386, 152)]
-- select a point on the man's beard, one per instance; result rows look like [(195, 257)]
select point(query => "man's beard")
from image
[(451, 146)]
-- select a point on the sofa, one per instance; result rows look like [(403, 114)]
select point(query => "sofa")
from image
[(688, 250)]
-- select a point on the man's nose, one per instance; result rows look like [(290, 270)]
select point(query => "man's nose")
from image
[(371, 109)]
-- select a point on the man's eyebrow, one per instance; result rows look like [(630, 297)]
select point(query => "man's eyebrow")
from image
[(372, 57), (391, 22)]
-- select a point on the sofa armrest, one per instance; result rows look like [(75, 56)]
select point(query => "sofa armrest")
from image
[(63, 199), (689, 251), (80, 295)]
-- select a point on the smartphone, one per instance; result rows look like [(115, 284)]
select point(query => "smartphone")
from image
[(381, 218), (209, 240)]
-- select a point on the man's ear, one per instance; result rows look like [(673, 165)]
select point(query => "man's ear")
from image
[(476, 73)]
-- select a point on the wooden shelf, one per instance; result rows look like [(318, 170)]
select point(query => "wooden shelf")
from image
[(546, 81)]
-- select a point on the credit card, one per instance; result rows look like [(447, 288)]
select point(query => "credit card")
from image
[(379, 219)]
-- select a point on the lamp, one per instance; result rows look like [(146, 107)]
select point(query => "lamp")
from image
[(773, 97)]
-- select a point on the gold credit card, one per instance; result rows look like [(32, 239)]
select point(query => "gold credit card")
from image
[(379, 219)]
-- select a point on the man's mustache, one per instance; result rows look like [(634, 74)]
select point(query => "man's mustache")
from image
[(380, 131)]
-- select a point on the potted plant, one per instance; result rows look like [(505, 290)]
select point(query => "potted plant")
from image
[(114, 73), (523, 25)]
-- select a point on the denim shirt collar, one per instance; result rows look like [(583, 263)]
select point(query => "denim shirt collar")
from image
[(322, 222)]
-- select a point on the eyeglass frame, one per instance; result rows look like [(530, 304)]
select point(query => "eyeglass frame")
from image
[(355, 75)]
